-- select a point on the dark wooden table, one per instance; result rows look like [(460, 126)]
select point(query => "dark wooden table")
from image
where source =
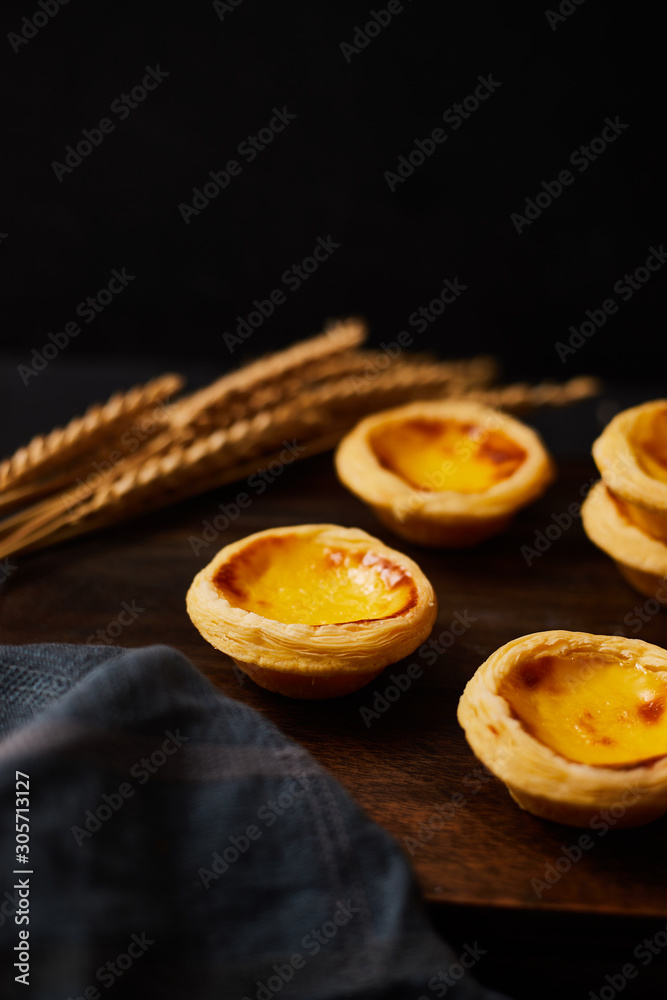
[(476, 854)]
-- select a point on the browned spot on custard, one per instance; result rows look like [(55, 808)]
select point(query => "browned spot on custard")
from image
[(492, 728), (226, 579), (651, 711), (499, 449), (425, 427), (335, 556), (586, 723), (433, 429), (229, 577), (392, 575), (605, 741), (534, 672)]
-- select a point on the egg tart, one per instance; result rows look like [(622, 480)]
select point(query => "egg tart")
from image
[(631, 455), (625, 514), (575, 725), (640, 557), (313, 610), (446, 472)]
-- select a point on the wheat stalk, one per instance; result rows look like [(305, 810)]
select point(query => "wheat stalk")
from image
[(232, 397), (75, 439), (231, 453), (83, 434), (314, 392), (342, 336), (160, 498), (521, 398), (216, 458)]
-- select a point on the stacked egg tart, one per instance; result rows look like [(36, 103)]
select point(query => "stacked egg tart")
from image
[(625, 513)]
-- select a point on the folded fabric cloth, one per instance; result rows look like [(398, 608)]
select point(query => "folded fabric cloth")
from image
[(171, 842)]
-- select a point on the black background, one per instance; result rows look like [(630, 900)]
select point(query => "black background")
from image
[(324, 176)]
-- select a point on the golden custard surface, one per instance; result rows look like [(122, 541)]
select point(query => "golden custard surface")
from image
[(295, 580), (649, 441), (590, 708), (436, 455)]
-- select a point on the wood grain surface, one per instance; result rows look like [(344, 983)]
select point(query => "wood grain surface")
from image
[(409, 765)]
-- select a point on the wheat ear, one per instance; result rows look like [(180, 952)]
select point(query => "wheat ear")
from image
[(342, 336), (82, 434)]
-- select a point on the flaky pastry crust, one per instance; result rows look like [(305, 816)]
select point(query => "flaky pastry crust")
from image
[(312, 660), (641, 558), (443, 517), (616, 455)]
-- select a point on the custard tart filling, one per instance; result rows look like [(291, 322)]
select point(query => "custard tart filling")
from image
[(294, 579), (435, 455), (592, 709)]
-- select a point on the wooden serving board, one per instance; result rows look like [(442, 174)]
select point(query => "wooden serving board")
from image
[(399, 752)]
